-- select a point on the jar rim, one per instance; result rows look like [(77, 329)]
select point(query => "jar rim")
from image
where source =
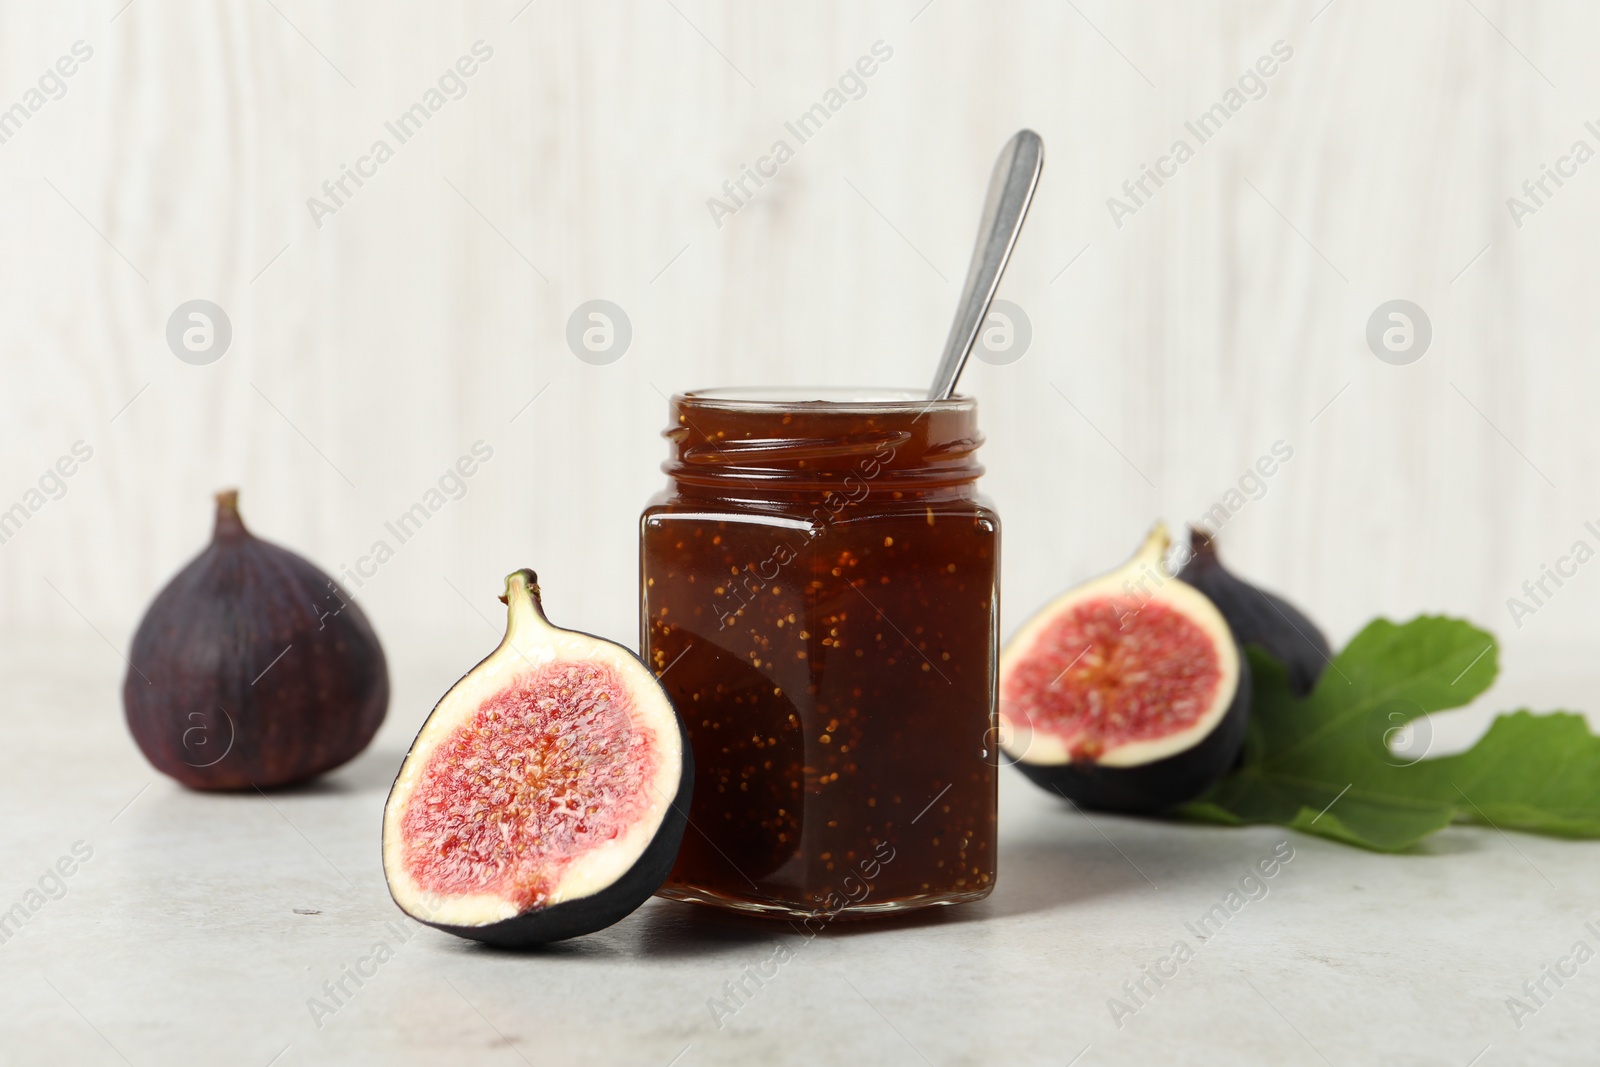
[(797, 398)]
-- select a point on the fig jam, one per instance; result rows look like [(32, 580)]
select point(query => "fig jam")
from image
[(820, 599)]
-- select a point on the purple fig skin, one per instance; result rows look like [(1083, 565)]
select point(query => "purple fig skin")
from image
[(252, 668), (1258, 617)]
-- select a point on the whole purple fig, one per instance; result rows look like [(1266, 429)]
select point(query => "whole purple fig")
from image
[(1258, 617), (252, 668)]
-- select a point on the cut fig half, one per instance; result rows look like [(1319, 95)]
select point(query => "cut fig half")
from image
[(547, 792), (1127, 693)]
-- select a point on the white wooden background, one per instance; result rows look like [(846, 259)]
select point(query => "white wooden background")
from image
[(370, 353)]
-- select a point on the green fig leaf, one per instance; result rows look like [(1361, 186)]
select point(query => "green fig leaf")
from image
[(1348, 761)]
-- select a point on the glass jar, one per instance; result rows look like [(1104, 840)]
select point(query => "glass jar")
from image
[(819, 595)]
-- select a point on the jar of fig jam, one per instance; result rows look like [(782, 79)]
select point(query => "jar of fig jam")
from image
[(820, 598)]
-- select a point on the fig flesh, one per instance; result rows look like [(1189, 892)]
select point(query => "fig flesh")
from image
[(1127, 693), (252, 668), (547, 793), (1258, 617)]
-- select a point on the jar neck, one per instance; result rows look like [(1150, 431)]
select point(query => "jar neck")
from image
[(724, 447)]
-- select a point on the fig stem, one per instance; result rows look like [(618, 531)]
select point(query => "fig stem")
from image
[(1153, 553), (517, 581), (229, 523), (524, 611)]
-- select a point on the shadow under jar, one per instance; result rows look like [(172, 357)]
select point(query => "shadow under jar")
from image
[(820, 598)]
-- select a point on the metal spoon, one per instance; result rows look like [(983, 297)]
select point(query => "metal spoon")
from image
[(1016, 175)]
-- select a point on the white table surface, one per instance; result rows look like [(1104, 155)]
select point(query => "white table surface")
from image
[(202, 925)]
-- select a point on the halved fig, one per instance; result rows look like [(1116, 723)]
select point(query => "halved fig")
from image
[(1258, 617), (546, 794), (1127, 693)]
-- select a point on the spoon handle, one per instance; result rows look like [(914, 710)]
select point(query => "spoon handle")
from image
[(1016, 175)]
